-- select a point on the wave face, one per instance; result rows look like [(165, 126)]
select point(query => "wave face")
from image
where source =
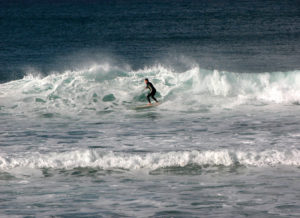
[(152, 161), (105, 88)]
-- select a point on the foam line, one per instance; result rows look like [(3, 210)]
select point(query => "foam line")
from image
[(151, 161)]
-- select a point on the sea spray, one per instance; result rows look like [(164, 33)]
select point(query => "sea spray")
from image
[(101, 88)]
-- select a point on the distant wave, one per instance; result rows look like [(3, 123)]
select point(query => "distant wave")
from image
[(103, 87), (151, 161)]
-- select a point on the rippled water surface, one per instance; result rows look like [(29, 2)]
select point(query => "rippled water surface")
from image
[(224, 142)]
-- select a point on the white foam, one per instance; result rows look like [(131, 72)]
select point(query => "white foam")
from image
[(84, 90), (151, 161)]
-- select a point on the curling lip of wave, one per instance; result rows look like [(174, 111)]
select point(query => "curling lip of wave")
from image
[(151, 161), (99, 87)]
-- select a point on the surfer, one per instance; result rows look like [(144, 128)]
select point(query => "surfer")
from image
[(150, 86)]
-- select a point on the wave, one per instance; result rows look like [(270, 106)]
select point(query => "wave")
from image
[(105, 87), (151, 161)]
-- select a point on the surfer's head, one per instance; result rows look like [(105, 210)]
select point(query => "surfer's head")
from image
[(146, 80)]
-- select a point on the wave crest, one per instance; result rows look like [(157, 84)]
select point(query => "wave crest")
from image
[(102, 87), (152, 161)]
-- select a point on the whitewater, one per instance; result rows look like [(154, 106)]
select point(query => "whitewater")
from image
[(102, 87), (222, 141)]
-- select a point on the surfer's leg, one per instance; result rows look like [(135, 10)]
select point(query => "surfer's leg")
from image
[(152, 96), (148, 98)]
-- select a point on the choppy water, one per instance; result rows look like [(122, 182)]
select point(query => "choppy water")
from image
[(223, 143)]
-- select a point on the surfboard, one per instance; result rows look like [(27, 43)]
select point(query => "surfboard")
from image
[(147, 106)]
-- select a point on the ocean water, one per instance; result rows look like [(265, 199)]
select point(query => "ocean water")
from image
[(225, 142)]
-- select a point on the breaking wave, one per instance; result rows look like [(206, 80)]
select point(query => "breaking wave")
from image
[(106, 88), (151, 161)]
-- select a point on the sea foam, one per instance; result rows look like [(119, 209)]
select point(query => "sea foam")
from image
[(102, 87), (151, 161)]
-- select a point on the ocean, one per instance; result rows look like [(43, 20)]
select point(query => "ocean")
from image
[(224, 142)]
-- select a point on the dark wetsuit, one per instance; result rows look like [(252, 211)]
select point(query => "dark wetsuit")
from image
[(152, 92)]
